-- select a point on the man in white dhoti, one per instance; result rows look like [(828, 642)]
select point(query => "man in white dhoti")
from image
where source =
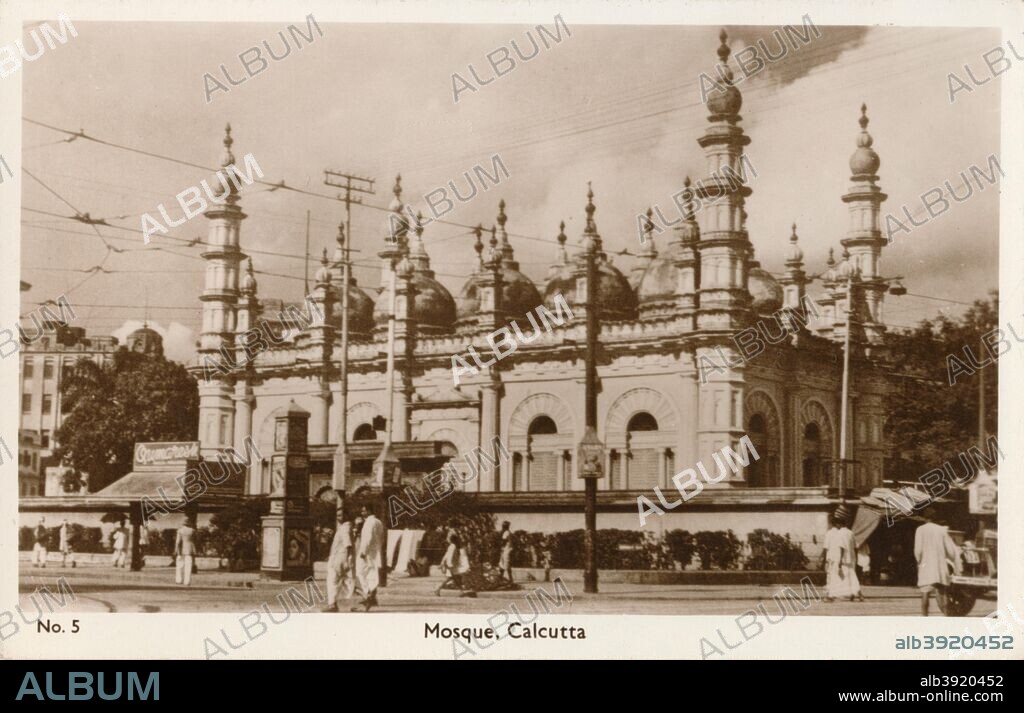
[(369, 559), (65, 544), (841, 578), (339, 564), (505, 558), (934, 551), (120, 542)]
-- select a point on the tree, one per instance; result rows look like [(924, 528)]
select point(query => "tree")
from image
[(136, 397), (930, 418)]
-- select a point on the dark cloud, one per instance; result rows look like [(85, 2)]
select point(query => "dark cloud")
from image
[(825, 45)]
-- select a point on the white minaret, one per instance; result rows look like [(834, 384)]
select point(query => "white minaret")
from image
[(723, 301), (864, 239), (220, 303)]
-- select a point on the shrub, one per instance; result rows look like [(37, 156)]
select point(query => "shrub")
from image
[(769, 551), (718, 549), (681, 547), (235, 532)]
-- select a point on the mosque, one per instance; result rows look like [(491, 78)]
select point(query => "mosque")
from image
[(660, 407)]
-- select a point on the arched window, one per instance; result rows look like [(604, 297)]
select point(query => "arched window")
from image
[(812, 463), (364, 432), (642, 421), (542, 426), (543, 460)]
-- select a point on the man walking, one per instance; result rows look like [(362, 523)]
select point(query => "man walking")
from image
[(120, 540), (933, 550), (39, 548), (369, 561), (184, 552), (505, 558), (65, 544), (339, 564)]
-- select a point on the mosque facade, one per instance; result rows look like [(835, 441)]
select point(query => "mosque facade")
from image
[(681, 370)]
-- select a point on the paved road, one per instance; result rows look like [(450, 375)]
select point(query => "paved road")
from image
[(103, 589)]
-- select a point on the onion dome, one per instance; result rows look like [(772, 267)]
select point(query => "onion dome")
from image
[(830, 267), (360, 304), (846, 268), (661, 278), (249, 279), (765, 291), (724, 99), (360, 310), (518, 293), (794, 256), (615, 298), (145, 341), (647, 253), (432, 306), (864, 162)]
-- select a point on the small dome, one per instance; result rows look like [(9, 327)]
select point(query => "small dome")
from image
[(724, 98), (765, 291), (864, 161), (145, 341), (432, 306), (518, 294), (360, 311), (615, 298), (661, 278)]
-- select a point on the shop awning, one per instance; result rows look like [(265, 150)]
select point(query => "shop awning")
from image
[(890, 504)]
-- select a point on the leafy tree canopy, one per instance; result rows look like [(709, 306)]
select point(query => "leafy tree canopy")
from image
[(108, 409), (930, 418)]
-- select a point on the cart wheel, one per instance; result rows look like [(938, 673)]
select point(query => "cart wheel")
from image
[(958, 601)]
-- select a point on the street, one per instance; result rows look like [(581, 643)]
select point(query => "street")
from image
[(103, 589)]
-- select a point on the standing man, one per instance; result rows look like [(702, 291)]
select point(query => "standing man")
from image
[(39, 548), (65, 544), (339, 564), (120, 539), (369, 561), (143, 543), (933, 550), (184, 553), (505, 559)]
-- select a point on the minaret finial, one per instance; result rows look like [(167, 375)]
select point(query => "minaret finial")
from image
[(591, 228), (507, 255), (831, 258), (723, 49), (478, 246), (863, 121), (561, 257), (688, 196), (227, 158)]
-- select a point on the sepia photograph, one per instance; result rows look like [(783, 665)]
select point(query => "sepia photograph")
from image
[(497, 323)]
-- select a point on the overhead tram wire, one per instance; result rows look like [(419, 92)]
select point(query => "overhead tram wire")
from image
[(280, 185)]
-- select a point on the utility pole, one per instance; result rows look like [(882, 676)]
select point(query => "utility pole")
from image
[(305, 276), (352, 184), (591, 449), (845, 400), (981, 402)]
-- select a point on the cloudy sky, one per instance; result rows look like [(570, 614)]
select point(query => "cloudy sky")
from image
[(616, 105)]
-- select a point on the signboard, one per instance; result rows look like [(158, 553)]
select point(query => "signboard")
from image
[(166, 452), (982, 494), (271, 547)]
